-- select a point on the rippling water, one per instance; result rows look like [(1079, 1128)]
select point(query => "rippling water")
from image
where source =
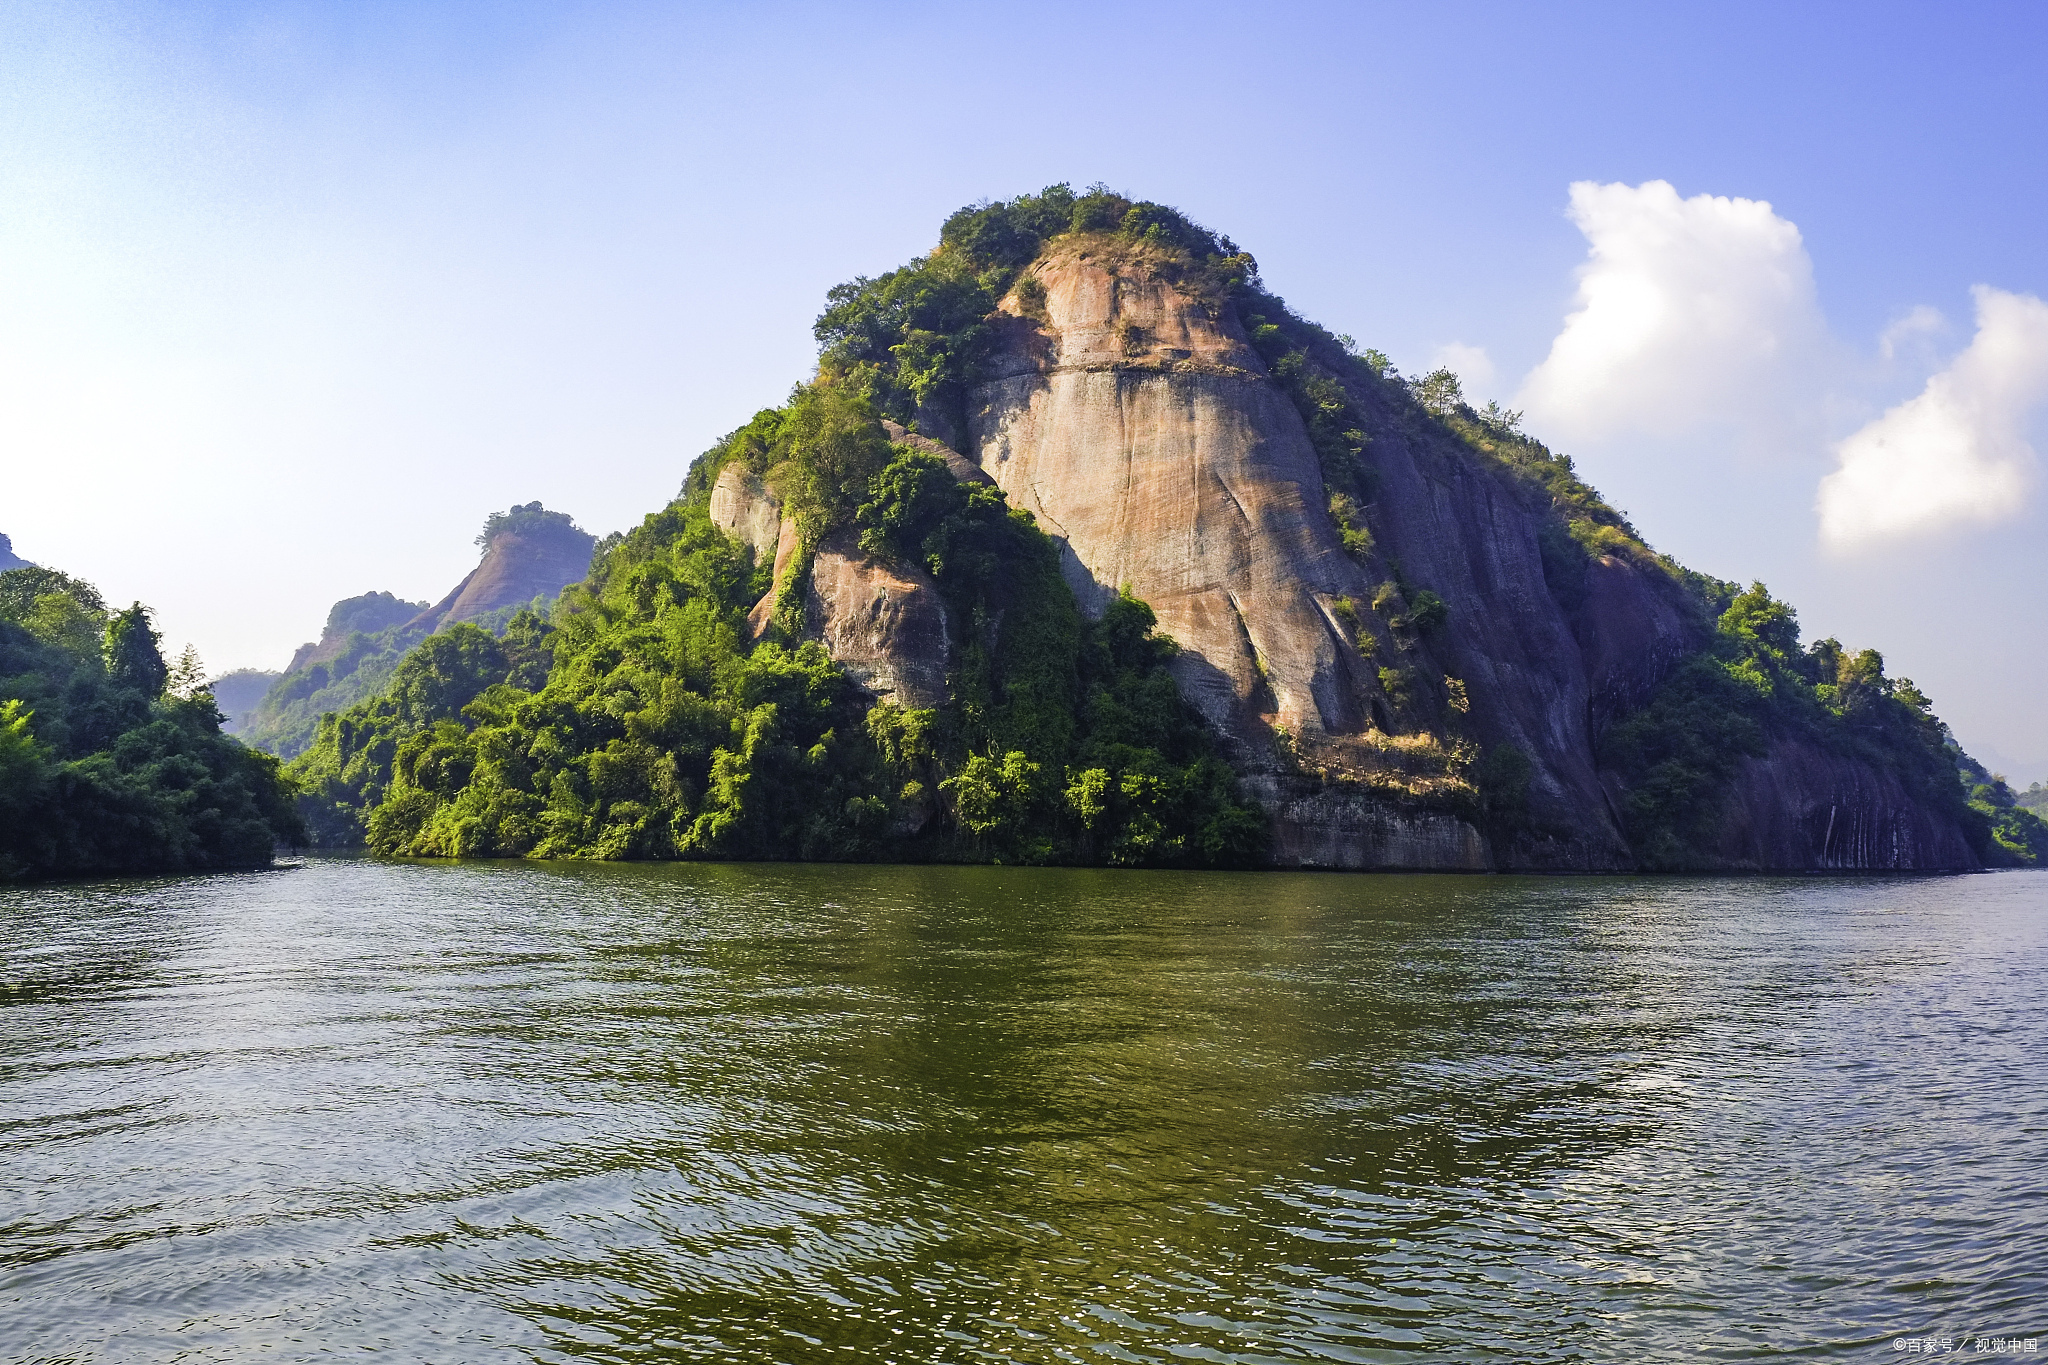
[(453, 1112)]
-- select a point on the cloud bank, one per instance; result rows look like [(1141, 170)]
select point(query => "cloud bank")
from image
[(1958, 452), (1689, 311)]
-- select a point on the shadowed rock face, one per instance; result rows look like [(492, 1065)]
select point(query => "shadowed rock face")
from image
[(1801, 807), (1634, 629), (9, 559)]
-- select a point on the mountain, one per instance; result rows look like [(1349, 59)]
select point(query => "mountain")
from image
[(529, 555), (237, 693), (1083, 546), (9, 559)]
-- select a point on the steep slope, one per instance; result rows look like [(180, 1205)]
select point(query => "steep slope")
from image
[(885, 624), (9, 559), (1145, 432), (529, 555)]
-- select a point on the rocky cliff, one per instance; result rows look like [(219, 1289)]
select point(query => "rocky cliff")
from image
[(528, 553), (9, 559), (1147, 435), (886, 624), (1416, 664)]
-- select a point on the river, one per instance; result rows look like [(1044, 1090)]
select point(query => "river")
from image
[(468, 1111)]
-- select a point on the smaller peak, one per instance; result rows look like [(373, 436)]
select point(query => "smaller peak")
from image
[(526, 519)]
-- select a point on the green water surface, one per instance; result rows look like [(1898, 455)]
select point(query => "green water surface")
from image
[(485, 1111)]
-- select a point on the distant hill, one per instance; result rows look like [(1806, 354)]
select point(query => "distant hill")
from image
[(529, 555), (9, 559), (237, 693), (529, 552)]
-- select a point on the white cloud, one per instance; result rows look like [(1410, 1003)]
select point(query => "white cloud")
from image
[(1689, 311), (1956, 453), (1471, 364), (1915, 325)]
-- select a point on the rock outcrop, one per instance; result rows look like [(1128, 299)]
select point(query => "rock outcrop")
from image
[(525, 561), (887, 624), (1801, 807), (1141, 428), (368, 614), (1142, 433), (9, 559)]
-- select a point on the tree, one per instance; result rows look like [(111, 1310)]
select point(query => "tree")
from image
[(133, 658)]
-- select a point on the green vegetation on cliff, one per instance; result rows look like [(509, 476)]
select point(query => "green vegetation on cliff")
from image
[(642, 723), (112, 760)]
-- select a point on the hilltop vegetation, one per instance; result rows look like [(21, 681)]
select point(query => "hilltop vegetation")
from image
[(112, 760), (364, 639)]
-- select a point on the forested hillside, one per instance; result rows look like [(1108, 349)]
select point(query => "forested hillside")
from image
[(528, 555), (110, 759)]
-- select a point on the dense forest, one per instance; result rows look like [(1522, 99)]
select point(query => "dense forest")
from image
[(112, 760), (641, 725)]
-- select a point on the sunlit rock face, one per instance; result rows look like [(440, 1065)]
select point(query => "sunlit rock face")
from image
[(1136, 422), (886, 624), (1140, 429), (518, 566)]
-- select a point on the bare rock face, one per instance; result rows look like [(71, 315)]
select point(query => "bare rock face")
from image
[(743, 508), (517, 566), (886, 625), (1799, 808), (1634, 629), (1143, 432), (963, 469), (1320, 826), (1140, 430), (747, 509)]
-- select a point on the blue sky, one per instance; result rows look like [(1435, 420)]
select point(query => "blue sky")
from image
[(292, 296)]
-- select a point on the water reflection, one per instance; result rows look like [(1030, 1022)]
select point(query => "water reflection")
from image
[(921, 1114)]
